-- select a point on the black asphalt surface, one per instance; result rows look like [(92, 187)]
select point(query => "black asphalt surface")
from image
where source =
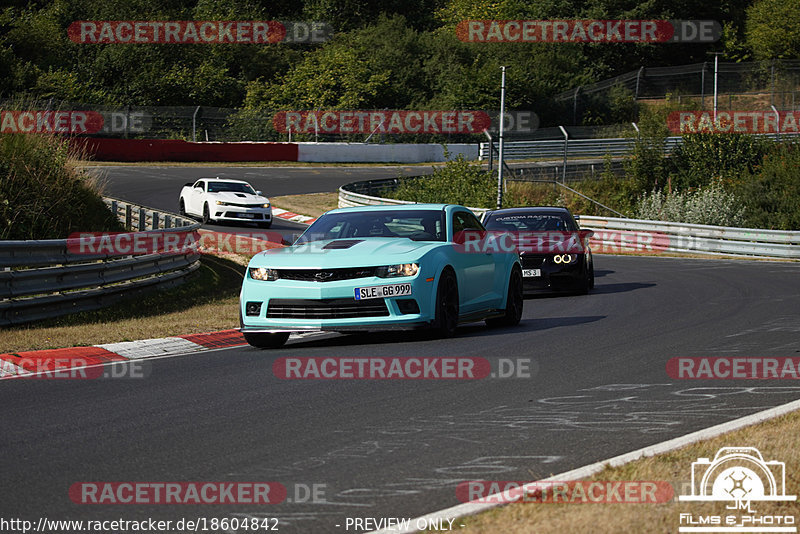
[(382, 448)]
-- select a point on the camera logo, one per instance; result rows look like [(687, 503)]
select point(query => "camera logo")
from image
[(738, 476)]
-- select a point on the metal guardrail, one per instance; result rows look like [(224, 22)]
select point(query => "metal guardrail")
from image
[(44, 279), (635, 235), (654, 236), (576, 148), (584, 148), (349, 197)]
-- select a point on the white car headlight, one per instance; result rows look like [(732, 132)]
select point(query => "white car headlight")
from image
[(402, 269), (264, 274), (221, 203), (265, 205)]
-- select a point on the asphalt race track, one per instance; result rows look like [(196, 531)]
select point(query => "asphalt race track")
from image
[(384, 448)]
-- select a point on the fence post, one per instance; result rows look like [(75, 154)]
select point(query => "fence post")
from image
[(566, 147), (128, 216), (772, 83), (142, 220), (703, 85), (638, 76), (575, 106), (155, 220), (194, 126)]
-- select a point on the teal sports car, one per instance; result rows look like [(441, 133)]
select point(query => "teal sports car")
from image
[(380, 268)]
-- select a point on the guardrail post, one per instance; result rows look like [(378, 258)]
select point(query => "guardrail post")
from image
[(703, 86), (142, 220), (167, 221), (566, 148), (155, 221), (638, 77), (128, 216), (114, 208)]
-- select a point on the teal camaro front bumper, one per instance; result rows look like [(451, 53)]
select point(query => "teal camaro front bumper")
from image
[(298, 305)]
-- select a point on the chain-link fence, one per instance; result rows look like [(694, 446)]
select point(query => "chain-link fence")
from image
[(190, 123), (754, 86)]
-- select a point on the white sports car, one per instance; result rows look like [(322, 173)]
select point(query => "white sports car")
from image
[(219, 199)]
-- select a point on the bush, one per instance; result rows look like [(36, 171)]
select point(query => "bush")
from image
[(707, 205), (701, 158), (772, 190), (457, 182), (647, 164), (616, 193), (43, 195)]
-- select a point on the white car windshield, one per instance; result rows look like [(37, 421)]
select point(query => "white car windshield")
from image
[(236, 187)]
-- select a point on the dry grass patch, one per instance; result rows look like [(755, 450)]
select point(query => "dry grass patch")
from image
[(776, 439), (312, 204)]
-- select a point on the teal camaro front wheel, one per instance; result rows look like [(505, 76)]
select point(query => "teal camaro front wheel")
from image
[(268, 340), (446, 320), (514, 302)]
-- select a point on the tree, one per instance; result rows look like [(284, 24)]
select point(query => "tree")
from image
[(773, 29)]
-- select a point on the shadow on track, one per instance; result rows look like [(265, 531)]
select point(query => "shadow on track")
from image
[(620, 288), (422, 336)]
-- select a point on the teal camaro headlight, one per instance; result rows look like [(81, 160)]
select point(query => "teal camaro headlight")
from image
[(260, 273), (392, 271)]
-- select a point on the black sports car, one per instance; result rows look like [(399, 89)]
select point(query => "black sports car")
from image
[(546, 270)]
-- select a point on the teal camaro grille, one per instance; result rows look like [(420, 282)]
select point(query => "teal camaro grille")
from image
[(325, 308), (325, 275)]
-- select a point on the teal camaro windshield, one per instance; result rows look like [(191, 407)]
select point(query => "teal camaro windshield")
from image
[(417, 225)]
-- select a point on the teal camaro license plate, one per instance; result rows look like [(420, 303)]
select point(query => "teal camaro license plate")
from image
[(379, 292)]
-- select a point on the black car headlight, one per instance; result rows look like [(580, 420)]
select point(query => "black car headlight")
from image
[(565, 258), (262, 273), (401, 269)]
